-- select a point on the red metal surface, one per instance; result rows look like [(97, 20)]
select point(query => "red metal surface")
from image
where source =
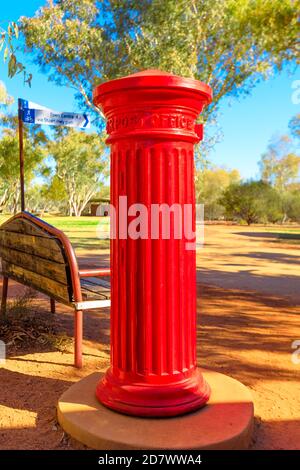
[(4, 296), (152, 131), (78, 334), (52, 305), (94, 272)]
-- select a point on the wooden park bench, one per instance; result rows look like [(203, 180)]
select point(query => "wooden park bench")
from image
[(40, 256)]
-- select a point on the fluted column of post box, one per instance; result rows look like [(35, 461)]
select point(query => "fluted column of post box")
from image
[(152, 130)]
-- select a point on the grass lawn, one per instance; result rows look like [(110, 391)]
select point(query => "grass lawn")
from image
[(85, 232)]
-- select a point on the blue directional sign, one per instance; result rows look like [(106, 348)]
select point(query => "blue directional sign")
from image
[(36, 114)]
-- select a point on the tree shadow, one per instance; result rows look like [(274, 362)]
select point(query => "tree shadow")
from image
[(276, 257), (245, 334), (242, 333), (249, 280), (270, 235), (257, 234), (96, 330)]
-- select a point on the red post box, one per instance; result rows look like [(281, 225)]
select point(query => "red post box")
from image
[(151, 124)]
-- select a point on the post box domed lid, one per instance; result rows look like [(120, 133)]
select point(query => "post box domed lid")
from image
[(152, 78)]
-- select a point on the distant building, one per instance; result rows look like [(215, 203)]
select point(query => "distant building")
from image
[(98, 207)]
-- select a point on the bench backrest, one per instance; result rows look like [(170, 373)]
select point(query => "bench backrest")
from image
[(40, 256)]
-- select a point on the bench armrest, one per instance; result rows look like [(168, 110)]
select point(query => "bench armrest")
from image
[(94, 272)]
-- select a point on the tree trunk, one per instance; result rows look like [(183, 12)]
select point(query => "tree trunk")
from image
[(70, 207), (16, 201), (3, 200)]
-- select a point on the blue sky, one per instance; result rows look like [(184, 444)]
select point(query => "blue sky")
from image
[(247, 125)]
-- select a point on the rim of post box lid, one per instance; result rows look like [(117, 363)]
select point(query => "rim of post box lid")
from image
[(152, 79)]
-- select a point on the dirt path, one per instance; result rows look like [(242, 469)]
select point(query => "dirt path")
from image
[(248, 306), (250, 259)]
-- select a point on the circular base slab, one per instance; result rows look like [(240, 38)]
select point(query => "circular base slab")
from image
[(224, 423)]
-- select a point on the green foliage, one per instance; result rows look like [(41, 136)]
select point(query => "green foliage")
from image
[(291, 205), (104, 193), (210, 184), (56, 190), (45, 197), (230, 44), (252, 202), (294, 126), (34, 153), (7, 44), (279, 166), (80, 167)]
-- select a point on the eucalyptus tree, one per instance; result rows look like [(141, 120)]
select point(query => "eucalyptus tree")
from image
[(80, 164), (229, 44)]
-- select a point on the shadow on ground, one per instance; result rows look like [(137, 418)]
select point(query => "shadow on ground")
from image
[(271, 235), (246, 335), (241, 332), (252, 280)]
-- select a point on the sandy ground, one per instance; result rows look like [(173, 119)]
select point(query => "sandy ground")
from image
[(248, 307)]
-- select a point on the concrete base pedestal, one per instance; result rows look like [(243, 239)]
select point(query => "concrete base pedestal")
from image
[(224, 423)]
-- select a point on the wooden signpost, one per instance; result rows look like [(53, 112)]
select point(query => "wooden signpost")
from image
[(21, 155), (35, 114)]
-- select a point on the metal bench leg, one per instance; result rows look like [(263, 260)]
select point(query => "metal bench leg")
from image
[(52, 305), (4, 296), (78, 338)]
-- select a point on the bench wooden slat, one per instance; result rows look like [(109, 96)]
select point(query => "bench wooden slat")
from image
[(47, 248), (43, 284), (97, 281), (41, 257), (87, 295), (26, 227), (46, 268), (101, 286), (95, 291), (100, 294)]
